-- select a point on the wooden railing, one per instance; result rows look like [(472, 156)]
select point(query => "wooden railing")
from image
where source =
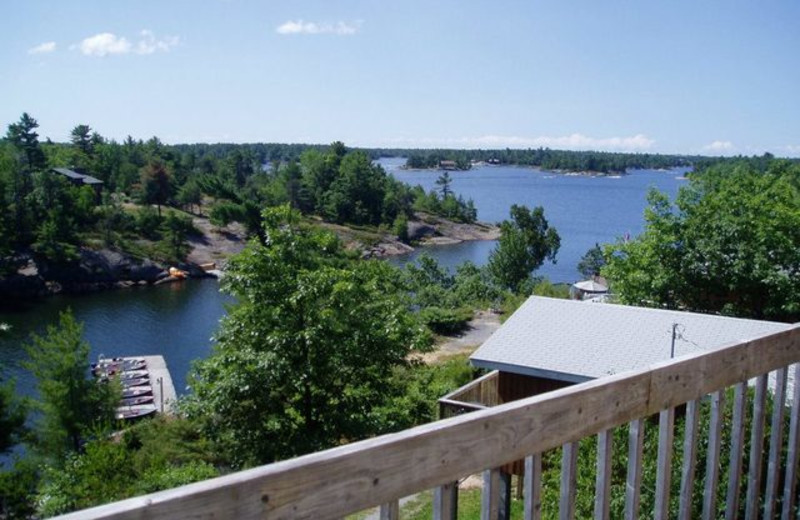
[(354, 477), (477, 395)]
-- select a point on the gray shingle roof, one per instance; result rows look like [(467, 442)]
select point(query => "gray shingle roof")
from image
[(576, 341), (69, 173)]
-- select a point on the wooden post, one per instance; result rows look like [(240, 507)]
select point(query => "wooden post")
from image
[(775, 443), (712, 456), (793, 445), (634, 478), (445, 502), (496, 496), (737, 446), (602, 494), (533, 487), (689, 456), (569, 466), (756, 449), (390, 511), (666, 433)]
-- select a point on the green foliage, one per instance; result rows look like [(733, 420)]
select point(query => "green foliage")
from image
[(70, 404), (731, 245), (25, 139), (302, 360), (18, 487), (156, 184), (416, 388), (592, 262), (177, 228), (12, 416), (526, 241), (447, 322), (444, 181), (400, 228), (148, 222)]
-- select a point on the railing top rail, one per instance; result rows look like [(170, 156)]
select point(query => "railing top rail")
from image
[(453, 396), (353, 477)]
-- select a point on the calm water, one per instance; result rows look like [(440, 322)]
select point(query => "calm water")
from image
[(178, 320), (584, 210), (173, 320)]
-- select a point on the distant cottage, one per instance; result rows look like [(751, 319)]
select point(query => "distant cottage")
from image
[(448, 165), (81, 179)]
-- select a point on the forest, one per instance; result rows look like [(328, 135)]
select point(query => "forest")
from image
[(322, 346)]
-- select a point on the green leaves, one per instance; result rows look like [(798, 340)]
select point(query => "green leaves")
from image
[(731, 244), (526, 241), (302, 361)]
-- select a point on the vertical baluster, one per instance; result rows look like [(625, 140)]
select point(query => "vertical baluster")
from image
[(775, 443), (445, 502), (569, 466), (496, 496), (390, 510), (712, 456), (533, 487), (602, 494), (792, 448), (737, 445), (756, 448), (634, 478), (666, 432), (689, 456)]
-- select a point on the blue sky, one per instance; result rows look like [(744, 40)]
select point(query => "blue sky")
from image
[(712, 77)]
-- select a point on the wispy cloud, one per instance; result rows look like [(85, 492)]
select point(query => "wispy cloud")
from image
[(105, 44), (339, 28), (720, 147), (635, 143), (43, 48)]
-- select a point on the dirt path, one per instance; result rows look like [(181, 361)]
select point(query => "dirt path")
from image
[(480, 327)]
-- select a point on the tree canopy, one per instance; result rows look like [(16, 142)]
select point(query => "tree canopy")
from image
[(729, 244), (302, 360), (526, 241)]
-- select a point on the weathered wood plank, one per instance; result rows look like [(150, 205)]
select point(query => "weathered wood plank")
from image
[(633, 482), (689, 459), (602, 493), (360, 475), (445, 502), (737, 448), (756, 449), (666, 435), (793, 447), (569, 469), (711, 483), (390, 511), (533, 487), (496, 495), (775, 443)]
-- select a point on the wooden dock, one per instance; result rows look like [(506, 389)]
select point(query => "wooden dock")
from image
[(161, 381)]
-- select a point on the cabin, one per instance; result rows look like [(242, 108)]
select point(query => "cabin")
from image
[(448, 165), (713, 360), (81, 179), (551, 343)]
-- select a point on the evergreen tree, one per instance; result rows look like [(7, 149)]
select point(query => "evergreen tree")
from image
[(70, 403)]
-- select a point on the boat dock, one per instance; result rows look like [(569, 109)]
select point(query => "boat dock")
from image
[(164, 395)]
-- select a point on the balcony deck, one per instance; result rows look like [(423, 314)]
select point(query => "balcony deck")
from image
[(379, 471)]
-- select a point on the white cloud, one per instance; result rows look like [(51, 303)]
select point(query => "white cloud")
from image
[(104, 44), (148, 44), (635, 143), (719, 147), (43, 48), (338, 28)]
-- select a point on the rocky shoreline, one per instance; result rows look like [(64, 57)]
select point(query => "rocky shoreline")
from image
[(106, 269)]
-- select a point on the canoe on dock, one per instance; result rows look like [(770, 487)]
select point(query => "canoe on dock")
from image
[(135, 401), (136, 391), (137, 412)]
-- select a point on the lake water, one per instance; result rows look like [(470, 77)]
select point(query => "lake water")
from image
[(585, 210), (173, 320), (178, 320)]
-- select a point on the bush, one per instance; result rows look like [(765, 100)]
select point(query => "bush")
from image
[(446, 322)]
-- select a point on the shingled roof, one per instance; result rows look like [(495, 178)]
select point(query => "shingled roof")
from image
[(577, 341)]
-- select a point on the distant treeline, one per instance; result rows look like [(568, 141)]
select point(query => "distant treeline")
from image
[(564, 160)]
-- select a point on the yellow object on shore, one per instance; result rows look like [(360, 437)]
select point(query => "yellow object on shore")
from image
[(177, 273)]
